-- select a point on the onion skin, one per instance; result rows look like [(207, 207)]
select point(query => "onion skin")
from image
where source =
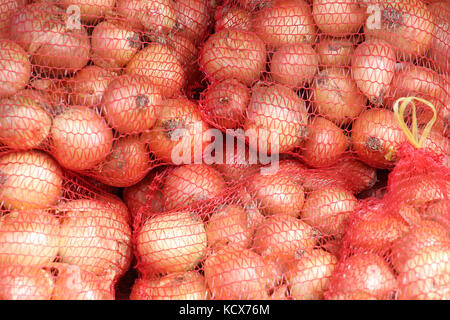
[(310, 273), (167, 135), (225, 103), (190, 183), (336, 96), (73, 283), (235, 273), (285, 22), (175, 286), (275, 108), (373, 66), (338, 19), (90, 10), (28, 238), (294, 65), (24, 123), (235, 54), (441, 36), (159, 63), (127, 163), (54, 91), (7, 9), (325, 143), (88, 85), (376, 137), (30, 180), (25, 283), (406, 25), (328, 208), (56, 48), (15, 68), (172, 242), (95, 236), (80, 138), (280, 236), (132, 104), (114, 44)]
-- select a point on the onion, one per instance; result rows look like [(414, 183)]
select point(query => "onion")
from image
[(15, 68), (29, 180), (80, 138), (335, 52), (127, 163), (25, 283), (90, 10), (7, 10), (114, 44), (228, 224), (376, 137), (441, 36), (310, 274), (175, 286), (285, 22), (55, 46), (132, 104), (225, 103), (72, 283), (276, 119), (172, 242), (231, 53), (24, 124), (178, 132), (363, 273), (28, 238), (154, 15), (54, 92), (94, 236), (280, 236), (336, 96), (325, 143), (328, 208), (191, 183), (294, 65), (235, 273), (338, 18), (277, 193), (233, 18), (406, 25), (192, 18), (373, 66), (160, 64)]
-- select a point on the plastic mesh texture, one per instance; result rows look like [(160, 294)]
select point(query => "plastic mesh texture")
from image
[(236, 149)]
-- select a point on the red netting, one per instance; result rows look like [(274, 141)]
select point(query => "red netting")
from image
[(236, 149)]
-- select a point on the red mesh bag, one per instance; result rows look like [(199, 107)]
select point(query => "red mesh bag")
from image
[(238, 149)]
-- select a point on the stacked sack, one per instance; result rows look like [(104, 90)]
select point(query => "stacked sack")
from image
[(224, 150)]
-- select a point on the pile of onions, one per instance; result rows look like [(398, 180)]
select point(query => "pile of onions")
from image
[(30, 180), (94, 236), (24, 123), (56, 47), (15, 68), (172, 242)]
